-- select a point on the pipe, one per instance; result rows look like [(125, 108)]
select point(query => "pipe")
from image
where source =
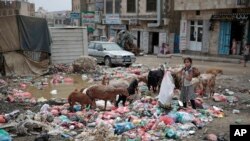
[(159, 7)]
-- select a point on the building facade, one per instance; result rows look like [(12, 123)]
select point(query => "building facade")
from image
[(77, 7), (17, 7), (153, 22), (218, 27), (55, 19)]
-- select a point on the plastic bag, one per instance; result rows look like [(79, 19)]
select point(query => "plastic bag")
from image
[(184, 117), (123, 127), (167, 89), (4, 136), (170, 133), (167, 120)]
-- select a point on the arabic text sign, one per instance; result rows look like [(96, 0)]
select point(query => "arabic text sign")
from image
[(75, 15), (113, 19), (88, 17)]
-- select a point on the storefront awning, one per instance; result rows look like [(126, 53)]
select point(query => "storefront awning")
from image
[(231, 17)]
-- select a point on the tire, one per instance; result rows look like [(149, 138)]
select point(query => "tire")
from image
[(107, 61)]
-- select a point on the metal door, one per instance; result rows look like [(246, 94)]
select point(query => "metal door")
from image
[(225, 35)]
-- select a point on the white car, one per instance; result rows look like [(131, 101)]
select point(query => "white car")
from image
[(110, 53)]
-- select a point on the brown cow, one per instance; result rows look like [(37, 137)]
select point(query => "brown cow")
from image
[(105, 93), (80, 97)]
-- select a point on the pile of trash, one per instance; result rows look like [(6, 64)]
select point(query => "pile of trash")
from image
[(2, 83), (65, 68), (142, 120), (227, 96), (84, 64)]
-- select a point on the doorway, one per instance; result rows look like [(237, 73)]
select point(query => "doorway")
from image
[(138, 39), (196, 33), (237, 36), (153, 41)]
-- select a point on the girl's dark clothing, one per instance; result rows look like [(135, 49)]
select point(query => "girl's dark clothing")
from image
[(131, 90), (192, 103)]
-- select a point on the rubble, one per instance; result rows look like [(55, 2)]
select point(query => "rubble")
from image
[(84, 64)]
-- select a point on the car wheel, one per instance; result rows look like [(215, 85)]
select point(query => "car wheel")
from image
[(107, 61)]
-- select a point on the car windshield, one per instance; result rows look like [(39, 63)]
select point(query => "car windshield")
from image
[(111, 47)]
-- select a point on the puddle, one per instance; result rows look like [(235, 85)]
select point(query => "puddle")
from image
[(63, 90)]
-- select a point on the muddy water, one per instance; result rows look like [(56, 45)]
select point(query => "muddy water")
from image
[(63, 90)]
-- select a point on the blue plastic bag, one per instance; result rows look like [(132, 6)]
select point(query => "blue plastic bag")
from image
[(4, 136), (123, 127)]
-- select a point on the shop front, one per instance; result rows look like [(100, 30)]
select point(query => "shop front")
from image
[(233, 33)]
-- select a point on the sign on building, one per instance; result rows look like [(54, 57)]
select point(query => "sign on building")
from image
[(88, 19), (75, 15), (113, 19), (97, 17)]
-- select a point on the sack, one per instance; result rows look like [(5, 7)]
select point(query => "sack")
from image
[(166, 90)]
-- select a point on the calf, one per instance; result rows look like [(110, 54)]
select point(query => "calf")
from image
[(154, 79), (80, 97), (105, 93)]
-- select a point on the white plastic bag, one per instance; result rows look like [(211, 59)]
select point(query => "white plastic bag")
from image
[(167, 90)]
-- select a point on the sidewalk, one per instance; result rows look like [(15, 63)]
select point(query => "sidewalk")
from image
[(235, 60)]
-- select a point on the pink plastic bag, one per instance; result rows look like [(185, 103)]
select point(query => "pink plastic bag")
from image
[(23, 86), (23, 95), (68, 80), (122, 110), (219, 98), (167, 120)]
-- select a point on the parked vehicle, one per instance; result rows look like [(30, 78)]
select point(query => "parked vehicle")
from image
[(110, 53)]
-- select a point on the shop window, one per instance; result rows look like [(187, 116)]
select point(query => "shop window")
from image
[(192, 34), (151, 5), (117, 6), (131, 6), (200, 22), (109, 6)]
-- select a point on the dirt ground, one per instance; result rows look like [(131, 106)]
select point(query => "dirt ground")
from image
[(235, 78)]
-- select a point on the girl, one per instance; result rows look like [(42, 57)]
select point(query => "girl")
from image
[(187, 90)]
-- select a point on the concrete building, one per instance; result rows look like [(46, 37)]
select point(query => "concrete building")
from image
[(42, 13), (153, 22), (16, 7), (77, 7), (218, 27), (55, 19)]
